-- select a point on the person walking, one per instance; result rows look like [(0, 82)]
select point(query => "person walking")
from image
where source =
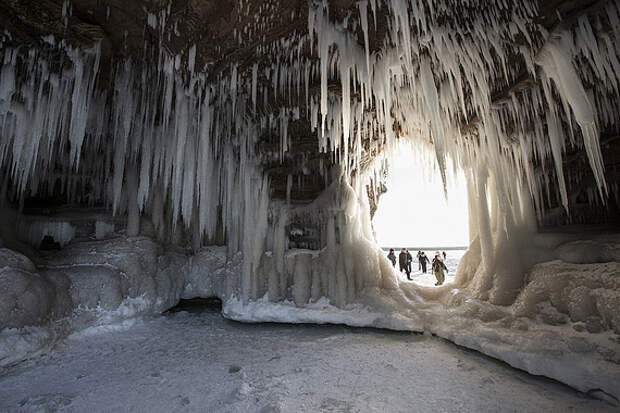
[(419, 261), (423, 260), (392, 257), (438, 269), (409, 260), (444, 256), (402, 262)]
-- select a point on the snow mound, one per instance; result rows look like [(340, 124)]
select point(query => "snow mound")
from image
[(588, 293)]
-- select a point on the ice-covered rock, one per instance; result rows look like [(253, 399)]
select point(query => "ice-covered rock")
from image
[(210, 272), (84, 284), (13, 259), (32, 232), (26, 298), (599, 250), (580, 291), (105, 273), (564, 310)]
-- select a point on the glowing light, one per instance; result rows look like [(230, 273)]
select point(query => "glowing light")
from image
[(414, 211)]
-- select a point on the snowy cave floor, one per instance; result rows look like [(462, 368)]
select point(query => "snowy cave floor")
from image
[(201, 362)]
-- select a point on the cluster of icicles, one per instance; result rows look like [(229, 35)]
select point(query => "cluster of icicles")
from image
[(168, 143), (420, 82)]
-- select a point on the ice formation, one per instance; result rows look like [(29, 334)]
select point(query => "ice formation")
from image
[(172, 148)]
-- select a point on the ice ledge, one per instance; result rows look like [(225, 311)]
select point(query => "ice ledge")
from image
[(320, 312), (584, 361), (587, 362)]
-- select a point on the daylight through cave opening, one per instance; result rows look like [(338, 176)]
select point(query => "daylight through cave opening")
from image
[(418, 213)]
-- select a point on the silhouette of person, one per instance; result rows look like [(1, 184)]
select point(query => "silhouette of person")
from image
[(423, 261), (409, 260), (402, 262), (392, 257)]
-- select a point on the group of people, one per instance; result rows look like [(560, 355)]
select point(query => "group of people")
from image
[(405, 259)]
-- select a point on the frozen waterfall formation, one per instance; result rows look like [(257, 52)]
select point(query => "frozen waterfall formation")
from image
[(237, 148)]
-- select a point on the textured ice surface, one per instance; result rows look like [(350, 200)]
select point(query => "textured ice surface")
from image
[(199, 362)]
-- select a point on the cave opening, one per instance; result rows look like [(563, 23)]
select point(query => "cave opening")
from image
[(416, 212)]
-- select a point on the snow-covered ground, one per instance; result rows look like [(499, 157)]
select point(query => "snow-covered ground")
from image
[(199, 362)]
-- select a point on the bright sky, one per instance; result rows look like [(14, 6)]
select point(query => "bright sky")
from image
[(414, 211)]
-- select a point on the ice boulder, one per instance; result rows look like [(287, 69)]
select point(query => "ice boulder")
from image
[(26, 298), (590, 251)]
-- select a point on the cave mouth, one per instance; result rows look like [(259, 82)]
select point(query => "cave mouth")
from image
[(417, 214), (197, 305)]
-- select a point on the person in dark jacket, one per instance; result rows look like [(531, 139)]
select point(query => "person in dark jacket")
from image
[(409, 260), (402, 262), (423, 260), (439, 269), (392, 257), (419, 260)]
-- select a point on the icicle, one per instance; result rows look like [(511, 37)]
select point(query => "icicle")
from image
[(254, 85), (559, 67)]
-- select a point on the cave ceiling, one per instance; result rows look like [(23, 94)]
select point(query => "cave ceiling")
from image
[(224, 33)]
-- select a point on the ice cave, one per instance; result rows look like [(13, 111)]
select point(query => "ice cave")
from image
[(238, 150)]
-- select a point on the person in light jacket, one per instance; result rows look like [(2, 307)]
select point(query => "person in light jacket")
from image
[(439, 269)]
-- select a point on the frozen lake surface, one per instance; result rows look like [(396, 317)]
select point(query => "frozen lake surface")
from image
[(200, 362)]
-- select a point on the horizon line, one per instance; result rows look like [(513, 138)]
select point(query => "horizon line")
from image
[(429, 248)]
